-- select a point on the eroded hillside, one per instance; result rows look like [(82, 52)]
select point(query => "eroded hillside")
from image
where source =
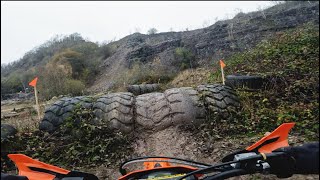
[(200, 47)]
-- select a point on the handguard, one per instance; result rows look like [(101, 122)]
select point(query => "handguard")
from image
[(276, 139), (37, 170)]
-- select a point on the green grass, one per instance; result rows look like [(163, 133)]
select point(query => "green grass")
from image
[(290, 61)]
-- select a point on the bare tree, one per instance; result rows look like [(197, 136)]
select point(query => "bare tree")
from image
[(262, 12), (152, 31), (277, 2), (230, 31), (205, 24), (137, 30)]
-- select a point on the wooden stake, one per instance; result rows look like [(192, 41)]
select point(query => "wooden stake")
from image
[(222, 73), (37, 103)]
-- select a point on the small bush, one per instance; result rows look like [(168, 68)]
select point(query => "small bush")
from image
[(184, 58), (105, 51), (141, 73), (74, 87)]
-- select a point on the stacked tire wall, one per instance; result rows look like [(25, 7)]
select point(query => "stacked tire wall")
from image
[(245, 81), (62, 109), (143, 88), (115, 111), (126, 112)]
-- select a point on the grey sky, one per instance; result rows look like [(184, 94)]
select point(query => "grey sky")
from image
[(25, 25)]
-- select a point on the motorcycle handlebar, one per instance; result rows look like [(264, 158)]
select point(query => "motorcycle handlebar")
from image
[(236, 171)]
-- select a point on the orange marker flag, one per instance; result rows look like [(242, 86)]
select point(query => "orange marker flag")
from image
[(222, 64), (33, 82)]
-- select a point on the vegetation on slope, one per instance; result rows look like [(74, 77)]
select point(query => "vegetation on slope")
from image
[(290, 64), (63, 64)]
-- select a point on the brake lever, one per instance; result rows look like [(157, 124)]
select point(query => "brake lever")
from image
[(262, 166), (226, 164), (246, 163)]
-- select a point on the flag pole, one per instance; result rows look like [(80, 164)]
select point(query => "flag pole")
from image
[(222, 65), (222, 73), (37, 103)]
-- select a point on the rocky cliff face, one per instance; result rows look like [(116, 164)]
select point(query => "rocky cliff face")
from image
[(220, 40)]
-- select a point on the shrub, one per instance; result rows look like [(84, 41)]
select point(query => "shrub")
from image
[(74, 87), (184, 58), (105, 51), (141, 73)]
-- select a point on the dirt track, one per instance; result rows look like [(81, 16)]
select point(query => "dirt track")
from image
[(174, 142)]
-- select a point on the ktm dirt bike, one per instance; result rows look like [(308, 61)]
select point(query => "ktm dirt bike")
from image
[(253, 159)]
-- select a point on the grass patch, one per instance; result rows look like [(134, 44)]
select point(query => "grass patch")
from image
[(290, 63)]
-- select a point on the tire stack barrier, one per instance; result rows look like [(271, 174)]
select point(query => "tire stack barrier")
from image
[(143, 88), (125, 112), (244, 81)]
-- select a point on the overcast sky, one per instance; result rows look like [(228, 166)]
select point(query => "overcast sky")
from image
[(25, 25)]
